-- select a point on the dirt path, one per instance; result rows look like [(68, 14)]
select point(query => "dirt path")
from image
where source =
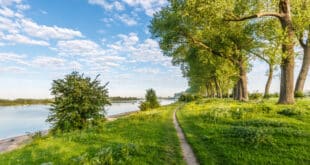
[(187, 151)]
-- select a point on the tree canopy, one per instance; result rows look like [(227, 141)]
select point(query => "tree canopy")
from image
[(215, 42)]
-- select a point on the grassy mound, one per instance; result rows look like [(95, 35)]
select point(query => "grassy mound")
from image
[(142, 138), (229, 132)]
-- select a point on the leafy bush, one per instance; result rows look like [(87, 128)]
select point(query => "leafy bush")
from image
[(186, 97), (79, 102), (255, 96), (299, 94), (150, 100), (144, 105)]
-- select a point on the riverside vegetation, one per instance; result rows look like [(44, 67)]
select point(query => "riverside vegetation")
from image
[(219, 131)]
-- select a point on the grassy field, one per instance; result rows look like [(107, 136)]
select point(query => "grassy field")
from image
[(219, 131), (229, 132), (142, 138), (4, 102)]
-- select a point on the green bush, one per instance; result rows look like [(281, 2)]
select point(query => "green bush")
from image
[(299, 94), (79, 102), (144, 105), (186, 97), (150, 100), (255, 96)]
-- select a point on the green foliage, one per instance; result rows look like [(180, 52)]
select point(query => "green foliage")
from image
[(150, 102), (144, 105), (256, 96), (299, 94), (79, 102), (123, 99), (187, 97), (4, 102)]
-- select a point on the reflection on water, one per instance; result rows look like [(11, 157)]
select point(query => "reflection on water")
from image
[(18, 120)]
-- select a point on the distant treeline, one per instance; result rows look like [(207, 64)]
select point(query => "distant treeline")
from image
[(120, 99), (5, 102)]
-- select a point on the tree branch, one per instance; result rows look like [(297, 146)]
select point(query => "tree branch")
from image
[(258, 15), (301, 42), (260, 56)]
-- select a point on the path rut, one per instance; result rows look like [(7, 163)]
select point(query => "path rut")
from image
[(187, 151)]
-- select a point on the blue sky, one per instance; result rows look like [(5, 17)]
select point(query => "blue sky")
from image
[(42, 40)]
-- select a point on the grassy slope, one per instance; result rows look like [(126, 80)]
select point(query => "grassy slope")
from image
[(248, 133), (142, 138)]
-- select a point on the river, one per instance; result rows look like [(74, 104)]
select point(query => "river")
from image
[(20, 120)]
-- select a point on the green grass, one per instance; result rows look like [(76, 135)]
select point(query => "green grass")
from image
[(141, 138), (230, 132), (219, 131)]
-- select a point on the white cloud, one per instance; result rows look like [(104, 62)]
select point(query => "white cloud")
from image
[(7, 12), (149, 6), (8, 25), (9, 2), (48, 32), (145, 51), (79, 47), (129, 40), (12, 69), (18, 38), (23, 7), (130, 21), (107, 5), (13, 57), (45, 61), (147, 70)]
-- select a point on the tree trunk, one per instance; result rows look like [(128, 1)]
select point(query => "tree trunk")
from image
[(218, 88), (287, 63), (304, 69), (243, 82), (268, 84)]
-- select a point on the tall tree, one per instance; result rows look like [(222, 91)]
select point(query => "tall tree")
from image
[(284, 15), (301, 18), (199, 23)]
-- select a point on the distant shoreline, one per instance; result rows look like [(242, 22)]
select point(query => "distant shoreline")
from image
[(19, 102), (6, 102)]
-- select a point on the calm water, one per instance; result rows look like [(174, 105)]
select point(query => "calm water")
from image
[(19, 120)]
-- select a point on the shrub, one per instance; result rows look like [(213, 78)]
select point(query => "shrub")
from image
[(186, 97), (150, 100), (299, 94), (144, 105), (79, 102), (274, 95), (255, 96)]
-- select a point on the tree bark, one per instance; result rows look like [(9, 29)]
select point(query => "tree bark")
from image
[(288, 59), (243, 84), (300, 83), (218, 88), (268, 84)]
